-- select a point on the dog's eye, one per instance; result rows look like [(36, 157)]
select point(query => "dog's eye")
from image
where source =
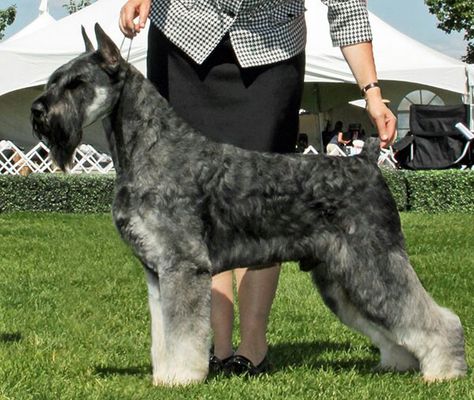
[(73, 84)]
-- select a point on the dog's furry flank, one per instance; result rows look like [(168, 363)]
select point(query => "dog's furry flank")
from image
[(191, 208)]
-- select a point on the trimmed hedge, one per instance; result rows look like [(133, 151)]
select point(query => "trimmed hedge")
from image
[(397, 184), (85, 193), (440, 191), (420, 191)]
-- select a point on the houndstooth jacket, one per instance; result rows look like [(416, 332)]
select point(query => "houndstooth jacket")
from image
[(261, 31)]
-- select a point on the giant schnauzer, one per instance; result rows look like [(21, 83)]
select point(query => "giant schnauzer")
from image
[(191, 208)]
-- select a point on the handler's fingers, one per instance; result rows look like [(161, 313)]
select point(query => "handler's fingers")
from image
[(127, 14), (386, 127), (142, 16)]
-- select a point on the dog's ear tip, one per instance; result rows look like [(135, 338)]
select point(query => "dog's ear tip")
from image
[(98, 29), (88, 44), (107, 48)]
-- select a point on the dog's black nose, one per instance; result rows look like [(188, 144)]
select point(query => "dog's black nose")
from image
[(37, 109)]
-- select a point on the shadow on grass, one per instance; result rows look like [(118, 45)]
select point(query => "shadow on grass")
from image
[(311, 355), (286, 355), (104, 372), (10, 337)]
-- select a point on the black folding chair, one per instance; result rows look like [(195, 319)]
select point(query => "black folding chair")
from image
[(437, 142)]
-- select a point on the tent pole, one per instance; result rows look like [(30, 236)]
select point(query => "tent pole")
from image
[(471, 106), (470, 95)]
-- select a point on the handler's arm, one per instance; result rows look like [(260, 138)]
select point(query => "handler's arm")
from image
[(350, 30), (361, 61)]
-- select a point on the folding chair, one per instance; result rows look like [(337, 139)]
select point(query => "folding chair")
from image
[(437, 143), (310, 150), (388, 157), (335, 150)]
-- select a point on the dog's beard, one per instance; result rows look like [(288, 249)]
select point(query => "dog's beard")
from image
[(62, 143), (63, 157), (60, 127)]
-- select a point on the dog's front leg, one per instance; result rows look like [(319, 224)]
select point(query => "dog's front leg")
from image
[(180, 318), (158, 348)]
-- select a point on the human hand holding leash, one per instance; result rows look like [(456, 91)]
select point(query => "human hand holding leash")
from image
[(360, 58), (383, 118), (128, 13)]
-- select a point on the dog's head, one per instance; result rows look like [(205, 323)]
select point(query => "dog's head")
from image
[(77, 94)]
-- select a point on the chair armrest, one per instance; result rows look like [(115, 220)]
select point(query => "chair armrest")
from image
[(464, 130)]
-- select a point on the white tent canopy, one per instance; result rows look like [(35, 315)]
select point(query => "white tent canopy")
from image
[(29, 59), (398, 57)]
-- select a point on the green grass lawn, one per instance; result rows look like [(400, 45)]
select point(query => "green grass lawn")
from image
[(74, 319)]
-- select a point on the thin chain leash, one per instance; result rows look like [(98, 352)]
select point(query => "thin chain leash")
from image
[(129, 47)]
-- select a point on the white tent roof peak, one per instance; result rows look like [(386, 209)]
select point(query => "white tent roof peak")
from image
[(43, 8), (43, 19)]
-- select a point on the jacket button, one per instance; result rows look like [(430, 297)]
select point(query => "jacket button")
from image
[(230, 13)]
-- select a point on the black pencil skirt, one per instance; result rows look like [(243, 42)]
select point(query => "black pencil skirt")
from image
[(254, 108)]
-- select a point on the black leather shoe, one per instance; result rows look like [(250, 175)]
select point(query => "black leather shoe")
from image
[(216, 365), (240, 365)]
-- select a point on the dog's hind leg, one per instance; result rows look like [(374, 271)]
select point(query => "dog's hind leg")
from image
[(392, 356), (384, 289), (432, 333)]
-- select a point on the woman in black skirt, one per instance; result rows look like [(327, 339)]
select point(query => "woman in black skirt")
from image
[(234, 69)]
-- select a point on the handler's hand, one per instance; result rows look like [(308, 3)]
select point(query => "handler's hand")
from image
[(131, 10), (384, 120)]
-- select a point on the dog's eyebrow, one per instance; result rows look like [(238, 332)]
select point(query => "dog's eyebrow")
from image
[(62, 77), (64, 80), (73, 79)]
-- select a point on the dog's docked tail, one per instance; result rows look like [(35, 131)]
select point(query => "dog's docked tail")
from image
[(371, 150)]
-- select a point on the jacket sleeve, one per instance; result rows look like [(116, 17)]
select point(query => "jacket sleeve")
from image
[(348, 22)]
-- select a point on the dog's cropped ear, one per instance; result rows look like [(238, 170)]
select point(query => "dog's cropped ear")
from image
[(107, 49), (87, 41)]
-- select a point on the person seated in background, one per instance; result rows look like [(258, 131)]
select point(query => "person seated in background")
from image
[(337, 138), (354, 133)]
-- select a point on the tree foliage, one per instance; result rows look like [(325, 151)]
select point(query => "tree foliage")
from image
[(7, 17), (456, 15), (75, 5)]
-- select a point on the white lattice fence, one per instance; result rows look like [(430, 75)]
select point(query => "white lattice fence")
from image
[(87, 159), (14, 161)]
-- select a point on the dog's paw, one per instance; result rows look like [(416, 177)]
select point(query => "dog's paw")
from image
[(179, 378), (429, 379)]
